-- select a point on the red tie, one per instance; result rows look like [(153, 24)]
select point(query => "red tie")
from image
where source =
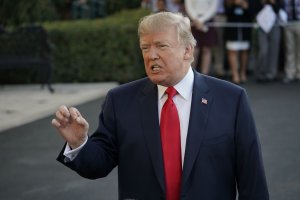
[(170, 138)]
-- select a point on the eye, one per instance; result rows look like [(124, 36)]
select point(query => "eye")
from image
[(144, 49)]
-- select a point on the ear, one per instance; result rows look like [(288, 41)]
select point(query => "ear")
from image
[(189, 52)]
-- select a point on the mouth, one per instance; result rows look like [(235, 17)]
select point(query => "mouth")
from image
[(155, 68)]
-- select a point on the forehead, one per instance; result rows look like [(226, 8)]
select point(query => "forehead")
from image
[(168, 34)]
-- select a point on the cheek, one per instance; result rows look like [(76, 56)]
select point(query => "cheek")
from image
[(174, 63), (145, 61)]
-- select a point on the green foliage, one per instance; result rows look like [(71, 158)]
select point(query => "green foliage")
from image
[(97, 50), (15, 12), (113, 6)]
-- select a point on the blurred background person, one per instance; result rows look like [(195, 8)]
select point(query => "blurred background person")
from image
[(292, 41), (201, 12), (170, 5), (268, 42), (238, 38), (173, 5), (218, 50), (80, 9), (146, 4), (161, 5), (2, 29)]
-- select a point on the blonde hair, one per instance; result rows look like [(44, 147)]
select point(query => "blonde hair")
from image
[(159, 21)]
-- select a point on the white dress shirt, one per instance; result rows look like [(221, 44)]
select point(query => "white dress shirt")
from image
[(183, 103)]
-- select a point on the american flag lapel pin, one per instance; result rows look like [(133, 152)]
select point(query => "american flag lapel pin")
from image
[(204, 101)]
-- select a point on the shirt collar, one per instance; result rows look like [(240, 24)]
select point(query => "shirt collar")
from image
[(184, 87)]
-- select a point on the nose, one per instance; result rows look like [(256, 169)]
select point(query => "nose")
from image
[(153, 53)]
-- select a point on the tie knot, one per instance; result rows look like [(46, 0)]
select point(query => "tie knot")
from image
[(171, 91)]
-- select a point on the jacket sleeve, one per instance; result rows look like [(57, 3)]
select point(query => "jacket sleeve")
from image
[(251, 180), (99, 155)]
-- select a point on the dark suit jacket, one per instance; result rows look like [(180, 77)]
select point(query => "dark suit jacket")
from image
[(222, 149)]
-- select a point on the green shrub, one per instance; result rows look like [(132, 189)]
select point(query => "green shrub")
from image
[(17, 12), (97, 50)]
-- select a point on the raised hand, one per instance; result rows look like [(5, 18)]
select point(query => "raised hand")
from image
[(71, 125)]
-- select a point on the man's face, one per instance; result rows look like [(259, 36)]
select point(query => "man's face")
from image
[(166, 59)]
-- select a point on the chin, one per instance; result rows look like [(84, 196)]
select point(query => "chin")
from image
[(158, 81)]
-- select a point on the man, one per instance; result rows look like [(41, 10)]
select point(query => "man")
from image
[(292, 41), (214, 148), (170, 5)]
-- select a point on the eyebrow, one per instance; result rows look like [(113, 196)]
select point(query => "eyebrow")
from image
[(156, 42)]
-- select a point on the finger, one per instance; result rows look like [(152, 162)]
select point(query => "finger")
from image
[(59, 115), (81, 121), (61, 118), (77, 112), (74, 113), (64, 110), (56, 123)]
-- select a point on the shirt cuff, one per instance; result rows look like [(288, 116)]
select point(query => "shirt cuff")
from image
[(72, 153)]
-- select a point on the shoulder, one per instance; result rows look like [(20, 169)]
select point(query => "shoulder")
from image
[(225, 94), (217, 85), (131, 87), (220, 90)]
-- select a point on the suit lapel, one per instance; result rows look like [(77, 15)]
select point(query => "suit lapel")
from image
[(201, 103), (149, 115)]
